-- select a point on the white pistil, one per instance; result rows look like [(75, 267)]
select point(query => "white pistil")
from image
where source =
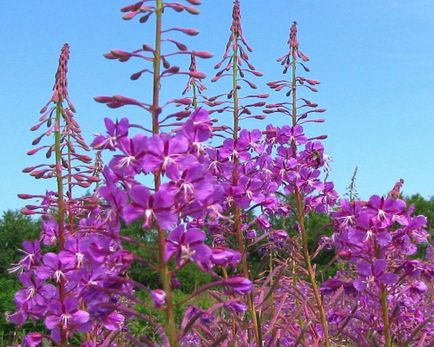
[(187, 188), (126, 161), (31, 291), (80, 257), (148, 216), (369, 235), (64, 319), (187, 253), (167, 161), (58, 275)]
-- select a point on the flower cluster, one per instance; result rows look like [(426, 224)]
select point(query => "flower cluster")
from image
[(211, 196), (72, 276), (383, 293)]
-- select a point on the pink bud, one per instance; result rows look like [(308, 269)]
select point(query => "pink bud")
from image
[(302, 56), (120, 54), (145, 18), (25, 196), (159, 297), (313, 82), (262, 96), (202, 54), (84, 158), (32, 207), (25, 211), (84, 184), (136, 75), (192, 10), (37, 140), (133, 7), (39, 173), (147, 48), (130, 15), (180, 46), (187, 31), (103, 99), (93, 179), (197, 74), (34, 150), (258, 104), (109, 56), (172, 70), (184, 101), (344, 254)]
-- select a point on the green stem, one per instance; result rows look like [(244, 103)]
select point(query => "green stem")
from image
[(384, 306), (61, 206), (386, 322), (300, 212), (69, 194), (164, 271), (194, 95), (237, 210)]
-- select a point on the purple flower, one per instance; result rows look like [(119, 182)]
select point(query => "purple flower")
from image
[(309, 180), (187, 245), (132, 160), (159, 297), (114, 321), (313, 154), (67, 316), (278, 237), (330, 286), (263, 221), (73, 255), (157, 207), (32, 257), (52, 268), (234, 149), (239, 285), (252, 139), (287, 134), (284, 168), (168, 154), (115, 131), (198, 128), (49, 231), (382, 211), (33, 339), (365, 230), (36, 292), (217, 163), (251, 234), (248, 190), (373, 273), (116, 199), (236, 306), (223, 256), (195, 183)]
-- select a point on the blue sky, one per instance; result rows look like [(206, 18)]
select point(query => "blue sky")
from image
[(374, 60)]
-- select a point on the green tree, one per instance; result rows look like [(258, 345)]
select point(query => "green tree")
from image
[(14, 229), (423, 206)]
